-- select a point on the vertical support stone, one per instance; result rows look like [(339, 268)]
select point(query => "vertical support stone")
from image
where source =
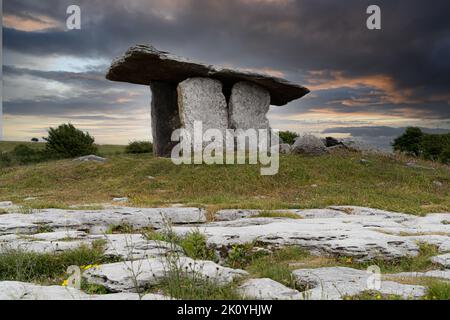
[(249, 104), (202, 99), (165, 117)]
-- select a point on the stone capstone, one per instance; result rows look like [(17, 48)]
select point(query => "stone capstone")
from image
[(143, 64)]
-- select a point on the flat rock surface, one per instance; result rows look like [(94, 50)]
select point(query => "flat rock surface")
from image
[(11, 290), (84, 220), (443, 260), (130, 276), (143, 64), (267, 289), (337, 282), (361, 233)]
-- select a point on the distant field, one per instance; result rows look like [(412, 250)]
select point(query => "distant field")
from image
[(303, 182), (6, 146)]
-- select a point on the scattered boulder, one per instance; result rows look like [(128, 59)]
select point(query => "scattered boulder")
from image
[(285, 148), (267, 289), (6, 204), (91, 158), (309, 145), (336, 283), (332, 142), (124, 199)]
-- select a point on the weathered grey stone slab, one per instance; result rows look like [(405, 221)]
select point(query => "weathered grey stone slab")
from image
[(337, 282), (202, 99), (12, 290), (165, 117), (84, 220), (131, 276), (143, 64), (437, 274), (268, 289), (285, 148), (361, 233), (249, 104), (443, 260), (91, 158)]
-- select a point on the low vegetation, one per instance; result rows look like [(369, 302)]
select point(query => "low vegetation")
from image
[(47, 268), (139, 147), (434, 147)]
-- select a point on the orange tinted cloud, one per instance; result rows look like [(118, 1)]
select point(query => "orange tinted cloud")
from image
[(322, 80), (29, 24)]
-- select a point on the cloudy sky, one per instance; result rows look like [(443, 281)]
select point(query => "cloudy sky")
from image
[(363, 83)]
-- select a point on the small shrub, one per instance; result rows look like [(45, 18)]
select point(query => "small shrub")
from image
[(24, 154), (438, 290), (195, 246), (34, 140), (434, 145), (288, 136), (68, 142), (138, 147), (5, 160)]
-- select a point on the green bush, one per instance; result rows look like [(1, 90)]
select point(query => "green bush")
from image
[(288, 136), (24, 154), (138, 147), (68, 142), (433, 145), (5, 159), (409, 142)]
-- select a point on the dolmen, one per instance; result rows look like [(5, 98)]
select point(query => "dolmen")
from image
[(184, 92)]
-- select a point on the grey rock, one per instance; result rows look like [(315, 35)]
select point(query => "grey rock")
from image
[(230, 215), (202, 99), (249, 104), (12, 290), (124, 199), (143, 64), (6, 204), (309, 145), (130, 276), (85, 220), (90, 158), (362, 233), (165, 117), (267, 289), (436, 274), (337, 282), (285, 148), (443, 260)]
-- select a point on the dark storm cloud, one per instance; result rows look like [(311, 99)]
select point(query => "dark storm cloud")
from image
[(294, 37)]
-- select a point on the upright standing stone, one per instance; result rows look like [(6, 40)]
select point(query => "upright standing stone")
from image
[(165, 117), (249, 104), (201, 99)]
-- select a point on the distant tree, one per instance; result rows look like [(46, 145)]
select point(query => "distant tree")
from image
[(137, 147), (66, 141), (433, 146), (409, 142), (34, 140), (288, 136)]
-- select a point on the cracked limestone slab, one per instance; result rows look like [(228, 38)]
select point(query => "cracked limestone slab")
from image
[(84, 220), (130, 276), (12, 290), (337, 282), (268, 289), (443, 260), (438, 274)]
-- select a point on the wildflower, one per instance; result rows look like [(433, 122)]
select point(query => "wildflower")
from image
[(65, 283), (349, 260)]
